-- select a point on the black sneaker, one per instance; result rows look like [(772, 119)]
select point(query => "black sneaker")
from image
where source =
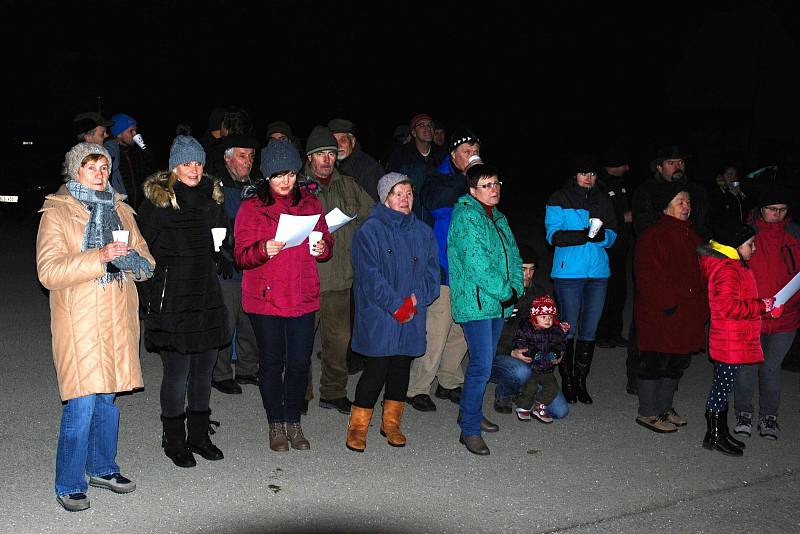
[(74, 502), (114, 482), (421, 402), (453, 395), (342, 405)]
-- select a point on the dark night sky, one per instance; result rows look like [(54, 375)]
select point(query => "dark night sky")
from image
[(536, 80)]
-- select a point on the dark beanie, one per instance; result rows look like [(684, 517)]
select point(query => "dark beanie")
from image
[(582, 163), (320, 139), (341, 126), (733, 235), (461, 136), (239, 141), (527, 254), (775, 194), (279, 127), (615, 156), (278, 157), (663, 193)]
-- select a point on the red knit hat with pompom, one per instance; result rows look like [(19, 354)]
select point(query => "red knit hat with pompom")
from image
[(544, 305)]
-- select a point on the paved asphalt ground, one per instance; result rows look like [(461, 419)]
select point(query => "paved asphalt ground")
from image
[(596, 471)]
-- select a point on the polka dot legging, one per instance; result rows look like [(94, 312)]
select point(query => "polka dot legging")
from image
[(721, 386)]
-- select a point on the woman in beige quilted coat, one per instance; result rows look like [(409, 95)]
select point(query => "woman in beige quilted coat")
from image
[(90, 273)]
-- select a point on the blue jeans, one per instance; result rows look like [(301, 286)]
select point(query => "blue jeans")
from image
[(284, 349), (482, 337), (580, 303), (510, 374), (87, 442), (766, 376)]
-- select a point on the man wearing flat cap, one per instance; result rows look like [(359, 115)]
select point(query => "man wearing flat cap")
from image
[(237, 176), (352, 160), (91, 127)]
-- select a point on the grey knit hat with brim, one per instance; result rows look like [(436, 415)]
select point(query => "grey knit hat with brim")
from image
[(186, 148), (76, 155), (321, 139), (388, 181), (279, 157)]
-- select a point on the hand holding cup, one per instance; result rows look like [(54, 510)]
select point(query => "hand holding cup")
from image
[(594, 226)]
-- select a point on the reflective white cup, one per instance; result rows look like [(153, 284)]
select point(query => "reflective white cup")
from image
[(139, 140), (313, 239), (219, 236), (121, 235), (594, 226)]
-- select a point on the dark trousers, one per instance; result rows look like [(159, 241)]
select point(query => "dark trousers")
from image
[(284, 348), (244, 339), (610, 325), (390, 372), (186, 382), (531, 392), (658, 374)]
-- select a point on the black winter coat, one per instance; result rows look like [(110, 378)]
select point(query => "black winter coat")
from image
[(183, 302), (365, 169)]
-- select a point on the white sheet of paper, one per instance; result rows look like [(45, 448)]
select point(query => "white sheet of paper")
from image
[(788, 290), (336, 218), (294, 229)]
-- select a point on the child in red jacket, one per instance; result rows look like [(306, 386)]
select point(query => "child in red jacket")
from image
[(734, 334)]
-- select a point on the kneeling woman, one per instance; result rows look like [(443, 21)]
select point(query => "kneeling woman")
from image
[(186, 320), (396, 277)]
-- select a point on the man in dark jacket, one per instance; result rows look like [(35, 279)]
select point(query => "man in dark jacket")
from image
[(611, 181), (131, 162), (417, 159), (352, 160), (238, 154)]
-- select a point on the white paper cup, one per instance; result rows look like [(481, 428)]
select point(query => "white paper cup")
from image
[(139, 140), (121, 235), (219, 236), (313, 239), (594, 226)]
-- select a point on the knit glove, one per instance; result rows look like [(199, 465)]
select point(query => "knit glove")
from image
[(135, 264), (405, 312), (770, 310), (511, 300), (570, 238)]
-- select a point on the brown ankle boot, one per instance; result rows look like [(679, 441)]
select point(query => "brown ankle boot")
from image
[(357, 429), (390, 424)]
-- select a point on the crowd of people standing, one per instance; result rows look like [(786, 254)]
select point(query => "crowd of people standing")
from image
[(424, 273)]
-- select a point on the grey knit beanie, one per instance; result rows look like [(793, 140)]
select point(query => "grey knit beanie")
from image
[(321, 139), (73, 158), (387, 182), (185, 148), (279, 156)]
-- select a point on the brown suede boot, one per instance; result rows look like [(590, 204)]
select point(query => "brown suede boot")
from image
[(390, 424), (357, 429)]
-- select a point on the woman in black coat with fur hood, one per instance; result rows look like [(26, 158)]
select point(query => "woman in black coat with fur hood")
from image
[(185, 319)]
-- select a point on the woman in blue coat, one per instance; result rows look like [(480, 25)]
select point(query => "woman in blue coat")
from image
[(396, 277)]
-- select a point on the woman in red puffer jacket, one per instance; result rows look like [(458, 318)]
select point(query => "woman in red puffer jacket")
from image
[(734, 334), (777, 262)]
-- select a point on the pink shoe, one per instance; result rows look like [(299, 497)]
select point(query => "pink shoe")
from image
[(523, 414), (540, 412)]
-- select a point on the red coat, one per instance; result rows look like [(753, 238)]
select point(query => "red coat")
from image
[(288, 284), (668, 276), (776, 261), (735, 332)]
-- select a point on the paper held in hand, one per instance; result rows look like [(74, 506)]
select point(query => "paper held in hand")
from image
[(294, 229), (788, 290), (336, 218)]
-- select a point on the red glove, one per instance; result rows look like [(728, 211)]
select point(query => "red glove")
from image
[(776, 312), (405, 312)]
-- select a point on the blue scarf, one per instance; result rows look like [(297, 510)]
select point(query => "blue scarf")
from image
[(103, 220)]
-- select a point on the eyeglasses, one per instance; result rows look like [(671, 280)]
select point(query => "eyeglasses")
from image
[(491, 185), (775, 210)]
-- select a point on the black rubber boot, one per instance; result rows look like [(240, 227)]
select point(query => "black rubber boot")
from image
[(173, 440), (584, 352), (715, 435), (724, 422), (199, 425), (567, 372)]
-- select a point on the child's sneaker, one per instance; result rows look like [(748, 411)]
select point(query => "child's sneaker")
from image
[(744, 424), (768, 427), (540, 412), (523, 414)]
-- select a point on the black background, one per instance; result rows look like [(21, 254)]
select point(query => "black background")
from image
[(537, 81)]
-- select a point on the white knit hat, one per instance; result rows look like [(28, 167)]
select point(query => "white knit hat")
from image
[(76, 155)]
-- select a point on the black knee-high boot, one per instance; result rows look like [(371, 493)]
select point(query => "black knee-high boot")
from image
[(715, 434), (566, 369), (584, 352), (173, 441), (198, 425)]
